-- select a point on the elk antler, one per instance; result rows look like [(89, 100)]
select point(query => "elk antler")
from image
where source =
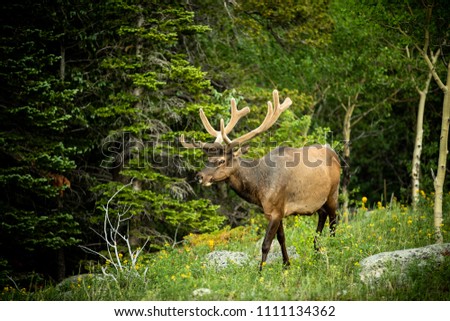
[(199, 144), (270, 119), (222, 134)]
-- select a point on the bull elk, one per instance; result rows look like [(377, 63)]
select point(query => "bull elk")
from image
[(285, 181)]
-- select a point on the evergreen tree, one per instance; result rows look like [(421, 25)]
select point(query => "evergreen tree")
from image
[(37, 153), (146, 83)]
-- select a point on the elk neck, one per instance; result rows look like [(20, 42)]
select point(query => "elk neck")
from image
[(249, 180)]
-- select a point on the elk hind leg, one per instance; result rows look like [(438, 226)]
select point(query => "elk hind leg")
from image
[(322, 219), (330, 208), (333, 220)]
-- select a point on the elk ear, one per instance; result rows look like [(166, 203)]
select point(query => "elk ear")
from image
[(245, 149), (241, 151)]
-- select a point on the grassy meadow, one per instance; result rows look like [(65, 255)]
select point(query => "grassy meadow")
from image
[(174, 273)]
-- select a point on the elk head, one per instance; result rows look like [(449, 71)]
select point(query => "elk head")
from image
[(223, 154)]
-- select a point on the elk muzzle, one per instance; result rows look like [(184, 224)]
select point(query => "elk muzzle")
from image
[(202, 178)]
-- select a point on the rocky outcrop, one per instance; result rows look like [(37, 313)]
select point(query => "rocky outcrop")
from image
[(201, 292), (222, 259), (374, 267), (275, 251)]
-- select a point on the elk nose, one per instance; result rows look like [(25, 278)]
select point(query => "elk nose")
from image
[(199, 177)]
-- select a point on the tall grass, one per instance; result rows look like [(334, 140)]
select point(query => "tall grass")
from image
[(331, 274)]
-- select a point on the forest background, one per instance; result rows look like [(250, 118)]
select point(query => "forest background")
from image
[(94, 95)]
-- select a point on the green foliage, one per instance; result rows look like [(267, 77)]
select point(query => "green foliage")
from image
[(31, 231), (187, 77), (290, 22), (166, 211), (259, 43), (38, 109), (79, 94), (156, 82), (418, 26)]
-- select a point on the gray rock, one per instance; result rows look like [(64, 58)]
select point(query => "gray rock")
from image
[(276, 255), (201, 292), (221, 259), (375, 266), (274, 247), (66, 287), (275, 251)]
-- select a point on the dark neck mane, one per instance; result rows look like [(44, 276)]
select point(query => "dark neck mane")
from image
[(248, 180)]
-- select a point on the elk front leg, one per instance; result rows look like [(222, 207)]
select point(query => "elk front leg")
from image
[(272, 229), (282, 240)]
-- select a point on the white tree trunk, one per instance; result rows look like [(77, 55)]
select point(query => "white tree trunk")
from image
[(346, 166), (442, 163), (415, 172), (443, 149)]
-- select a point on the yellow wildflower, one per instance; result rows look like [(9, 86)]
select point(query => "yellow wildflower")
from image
[(364, 199), (211, 244)]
